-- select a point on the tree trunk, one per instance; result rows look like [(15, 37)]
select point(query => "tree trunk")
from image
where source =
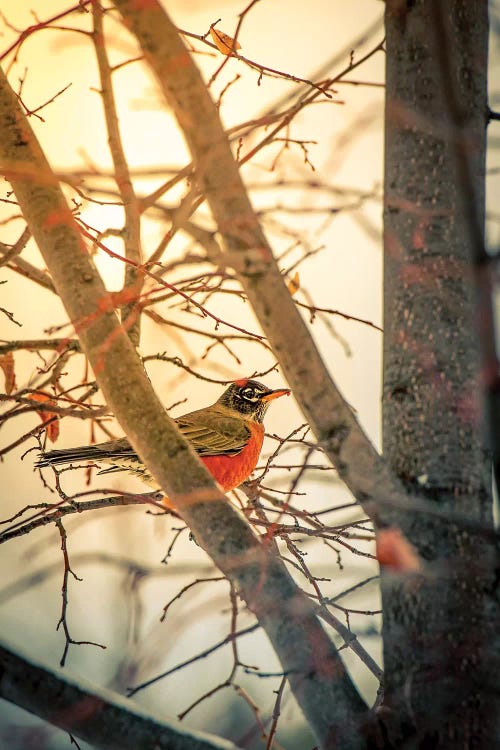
[(441, 663)]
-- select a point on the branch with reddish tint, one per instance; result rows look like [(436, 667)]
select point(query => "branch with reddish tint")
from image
[(249, 253), (316, 672)]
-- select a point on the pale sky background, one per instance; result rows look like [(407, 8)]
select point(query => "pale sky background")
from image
[(292, 36)]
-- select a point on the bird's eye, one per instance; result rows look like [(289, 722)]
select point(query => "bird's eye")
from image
[(249, 394)]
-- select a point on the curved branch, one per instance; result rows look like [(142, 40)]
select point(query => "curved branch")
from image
[(316, 672), (82, 710), (248, 252)]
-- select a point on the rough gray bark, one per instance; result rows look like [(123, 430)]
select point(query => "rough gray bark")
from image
[(440, 629)]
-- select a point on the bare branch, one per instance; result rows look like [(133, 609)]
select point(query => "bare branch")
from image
[(63, 621), (318, 677), (248, 252), (134, 280), (54, 513), (82, 709)]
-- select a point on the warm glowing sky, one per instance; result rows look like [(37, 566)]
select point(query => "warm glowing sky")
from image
[(295, 37)]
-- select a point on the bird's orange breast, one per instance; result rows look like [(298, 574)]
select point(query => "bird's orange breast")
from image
[(230, 471)]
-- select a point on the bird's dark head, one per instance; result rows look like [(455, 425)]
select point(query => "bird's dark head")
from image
[(250, 398)]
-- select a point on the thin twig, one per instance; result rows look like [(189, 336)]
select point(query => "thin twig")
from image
[(64, 593)]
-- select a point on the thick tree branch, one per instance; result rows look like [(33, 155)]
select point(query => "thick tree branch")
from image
[(433, 227), (469, 156), (101, 717), (249, 253), (310, 660)]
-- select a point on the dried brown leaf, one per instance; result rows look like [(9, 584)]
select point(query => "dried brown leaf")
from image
[(7, 365), (224, 43), (49, 418), (294, 283)]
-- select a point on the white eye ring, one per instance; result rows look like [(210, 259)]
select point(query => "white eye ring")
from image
[(250, 394)]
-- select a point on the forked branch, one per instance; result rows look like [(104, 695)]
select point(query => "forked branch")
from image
[(315, 670)]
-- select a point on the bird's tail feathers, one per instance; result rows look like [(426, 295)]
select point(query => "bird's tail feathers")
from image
[(68, 455)]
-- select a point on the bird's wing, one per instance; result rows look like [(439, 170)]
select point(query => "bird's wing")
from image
[(209, 432), (214, 434)]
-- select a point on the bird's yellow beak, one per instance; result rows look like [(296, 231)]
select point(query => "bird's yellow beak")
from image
[(276, 394)]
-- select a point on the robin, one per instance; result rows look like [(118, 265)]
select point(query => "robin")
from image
[(227, 436)]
